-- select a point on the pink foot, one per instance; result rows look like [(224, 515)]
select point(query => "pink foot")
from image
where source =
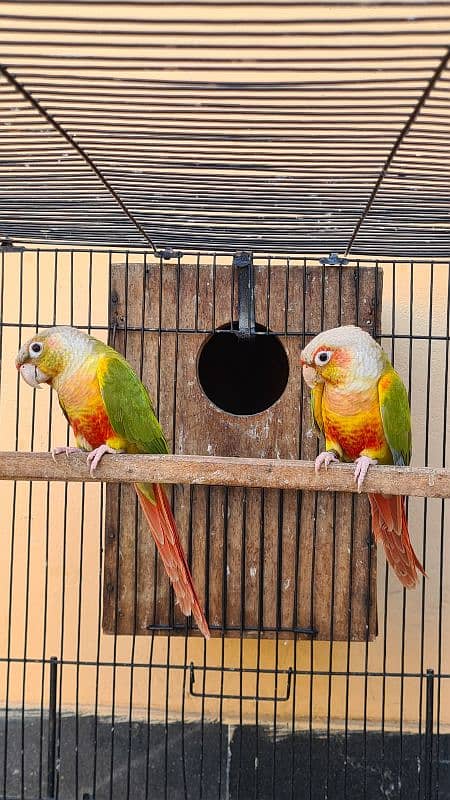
[(56, 451), (327, 458), (362, 465), (95, 456)]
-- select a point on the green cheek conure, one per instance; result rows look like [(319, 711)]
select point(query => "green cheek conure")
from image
[(110, 411), (360, 405)]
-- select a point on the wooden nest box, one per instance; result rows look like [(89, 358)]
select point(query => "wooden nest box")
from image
[(218, 343)]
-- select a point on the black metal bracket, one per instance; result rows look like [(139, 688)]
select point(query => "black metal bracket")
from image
[(333, 260), (168, 254), (243, 261), (8, 246), (255, 697)]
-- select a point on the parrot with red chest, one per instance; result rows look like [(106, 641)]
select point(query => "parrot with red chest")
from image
[(360, 405), (110, 411)]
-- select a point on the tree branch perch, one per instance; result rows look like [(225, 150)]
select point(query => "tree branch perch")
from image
[(219, 471)]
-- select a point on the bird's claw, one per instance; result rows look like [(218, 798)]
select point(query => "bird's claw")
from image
[(95, 456), (56, 451), (362, 465), (327, 458)]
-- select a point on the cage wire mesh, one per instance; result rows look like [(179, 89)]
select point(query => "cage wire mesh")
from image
[(203, 128), (340, 717)]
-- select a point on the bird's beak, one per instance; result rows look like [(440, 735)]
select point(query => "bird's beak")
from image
[(310, 375), (32, 375)]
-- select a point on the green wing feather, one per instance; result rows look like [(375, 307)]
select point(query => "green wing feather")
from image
[(316, 408), (396, 416), (128, 405)]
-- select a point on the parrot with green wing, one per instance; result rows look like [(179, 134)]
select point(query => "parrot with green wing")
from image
[(360, 405), (110, 411)]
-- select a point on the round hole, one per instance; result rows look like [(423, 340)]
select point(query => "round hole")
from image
[(243, 375)]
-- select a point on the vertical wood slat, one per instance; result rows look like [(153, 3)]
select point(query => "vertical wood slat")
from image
[(318, 563)]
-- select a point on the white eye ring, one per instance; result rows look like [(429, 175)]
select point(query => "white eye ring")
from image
[(322, 357), (35, 349)]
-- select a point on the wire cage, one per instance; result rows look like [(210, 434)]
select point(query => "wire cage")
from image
[(188, 138)]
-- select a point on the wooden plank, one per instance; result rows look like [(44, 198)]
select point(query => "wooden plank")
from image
[(111, 565), (111, 558), (132, 546), (235, 522), (134, 557), (311, 314), (276, 512), (295, 296), (253, 555), (215, 601), (195, 507), (345, 600), (347, 597), (149, 587), (270, 578), (261, 282), (363, 564), (205, 298), (223, 299), (126, 566), (288, 559), (327, 315)]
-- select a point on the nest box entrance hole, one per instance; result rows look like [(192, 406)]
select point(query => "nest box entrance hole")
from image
[(243, 374)]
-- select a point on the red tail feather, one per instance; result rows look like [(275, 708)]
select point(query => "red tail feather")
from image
[(390, 526), (164, 531)]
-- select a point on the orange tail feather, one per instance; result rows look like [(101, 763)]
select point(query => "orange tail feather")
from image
[(164, 531), (390, 526)]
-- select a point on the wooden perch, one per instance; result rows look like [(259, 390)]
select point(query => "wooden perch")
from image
[(218, 471)]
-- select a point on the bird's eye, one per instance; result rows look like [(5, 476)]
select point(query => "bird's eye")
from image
[(323, 357), (35, 349)]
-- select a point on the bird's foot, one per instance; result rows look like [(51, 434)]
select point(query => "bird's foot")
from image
[(56, 451), (95, 456), (327, 458), (362, 465)]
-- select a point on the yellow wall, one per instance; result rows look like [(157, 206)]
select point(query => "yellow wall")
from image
[(71, 517)]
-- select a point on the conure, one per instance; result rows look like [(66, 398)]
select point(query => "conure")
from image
[(360, 405), (110, 411)]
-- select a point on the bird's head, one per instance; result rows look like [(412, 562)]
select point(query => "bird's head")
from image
[(345, 357), (48, 354)]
